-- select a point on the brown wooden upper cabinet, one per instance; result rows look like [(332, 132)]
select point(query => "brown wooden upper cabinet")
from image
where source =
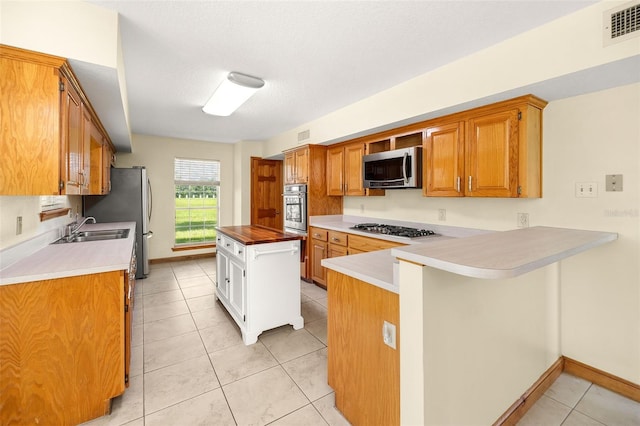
[(47, 123), (344, 169), (296, 166), (492, 151)]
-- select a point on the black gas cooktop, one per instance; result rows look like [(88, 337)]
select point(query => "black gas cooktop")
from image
[(396, 231)]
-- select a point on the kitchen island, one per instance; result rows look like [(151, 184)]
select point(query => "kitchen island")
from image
[(478, 317), (258, 278)]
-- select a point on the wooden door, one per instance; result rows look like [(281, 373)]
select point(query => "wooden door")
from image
[(444, 161), (266, 193), (492, 155), (335, 170), (353, 169)]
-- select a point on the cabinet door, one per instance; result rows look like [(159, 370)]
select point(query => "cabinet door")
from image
[(318, 252), (335, 170), (72, 140), (444, 161), (302, 166), (222, 274), (353, 169), (492, 155), (128, 325), (85, 157), (289, 168), (336, 250), (107, 153), (30, 133), (237, 289)]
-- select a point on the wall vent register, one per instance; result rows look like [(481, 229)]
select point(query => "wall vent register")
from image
[(396, 231)]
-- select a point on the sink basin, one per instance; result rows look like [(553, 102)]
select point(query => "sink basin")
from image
[(109, 233), (82, 236)]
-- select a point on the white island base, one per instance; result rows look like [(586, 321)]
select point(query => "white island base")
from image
[(259, 285)]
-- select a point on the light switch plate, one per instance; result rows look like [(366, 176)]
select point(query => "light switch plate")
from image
[(614, 183), (586, 190)]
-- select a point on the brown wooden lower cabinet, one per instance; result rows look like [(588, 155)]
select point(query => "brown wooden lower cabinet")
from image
[(329, 243), (62, 348), (362, 370)]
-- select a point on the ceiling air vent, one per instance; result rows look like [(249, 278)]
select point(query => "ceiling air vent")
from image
[(621, 23)]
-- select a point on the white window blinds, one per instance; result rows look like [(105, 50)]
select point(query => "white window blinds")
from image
[(196, 172)]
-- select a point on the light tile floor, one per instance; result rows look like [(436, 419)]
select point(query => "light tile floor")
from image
[(190, 367), (572, 401)]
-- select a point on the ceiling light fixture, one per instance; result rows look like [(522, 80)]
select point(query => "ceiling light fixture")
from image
[(234, 90)]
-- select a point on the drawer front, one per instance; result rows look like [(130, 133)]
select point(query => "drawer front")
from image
[(239, 251), (319, 234), (232, 247), (225, 243), (338, 238), (357, 242)]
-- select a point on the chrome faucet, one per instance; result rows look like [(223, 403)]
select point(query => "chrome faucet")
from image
[(74, 230)]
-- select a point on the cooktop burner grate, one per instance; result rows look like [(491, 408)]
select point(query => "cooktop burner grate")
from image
[(396, 231)]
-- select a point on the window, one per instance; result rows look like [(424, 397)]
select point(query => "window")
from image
[(197, 185)]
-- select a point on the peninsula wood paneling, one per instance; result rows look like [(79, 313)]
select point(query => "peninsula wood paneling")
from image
[(363, 371), (61, 349)]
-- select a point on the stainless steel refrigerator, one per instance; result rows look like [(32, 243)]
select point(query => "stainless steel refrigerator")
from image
[(130, 200)]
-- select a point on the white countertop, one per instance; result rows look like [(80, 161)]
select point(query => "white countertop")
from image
[(470, 252), (504, 254), (73, 259)]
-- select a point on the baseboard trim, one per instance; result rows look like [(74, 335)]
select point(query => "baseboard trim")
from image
[(519, 408), (601, 378), (181, 258)]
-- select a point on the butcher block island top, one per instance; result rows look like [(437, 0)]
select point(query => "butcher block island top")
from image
[(254, 234)]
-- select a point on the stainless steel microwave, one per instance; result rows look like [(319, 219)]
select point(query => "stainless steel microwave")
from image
[(400, 168)]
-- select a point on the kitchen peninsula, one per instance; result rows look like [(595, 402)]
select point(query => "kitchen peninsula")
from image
[(477, 318), (258, 278)]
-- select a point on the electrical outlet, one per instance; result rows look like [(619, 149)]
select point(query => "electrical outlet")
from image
[(442, 215), (19, 225), (389, 334), (523, 220), (586, 190)]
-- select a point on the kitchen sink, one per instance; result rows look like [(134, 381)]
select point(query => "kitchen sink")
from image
[(82, 236)]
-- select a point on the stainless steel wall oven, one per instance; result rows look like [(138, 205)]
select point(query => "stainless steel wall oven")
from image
[(295, 208)]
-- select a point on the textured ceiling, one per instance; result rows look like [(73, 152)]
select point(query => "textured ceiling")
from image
[(315, 56)]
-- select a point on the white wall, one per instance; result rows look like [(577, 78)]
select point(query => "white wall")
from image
[(71, 29), (157, 155)]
